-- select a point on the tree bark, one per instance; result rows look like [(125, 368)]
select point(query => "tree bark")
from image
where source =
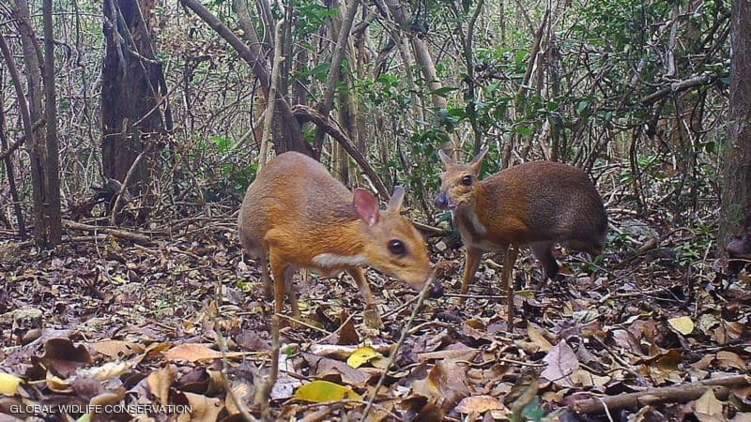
[(32, 59), (8, 159), (736, 194), (52, 165), (131, 94)]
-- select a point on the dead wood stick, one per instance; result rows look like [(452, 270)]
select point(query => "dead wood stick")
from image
[(430, 230), (123, 234), (675, 394)]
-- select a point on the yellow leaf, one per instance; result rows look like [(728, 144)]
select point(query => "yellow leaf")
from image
[(362, 356), (325, 391), (9, 384), (683, 325)]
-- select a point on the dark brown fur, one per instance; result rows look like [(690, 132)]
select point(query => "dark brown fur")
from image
[(536, 204)]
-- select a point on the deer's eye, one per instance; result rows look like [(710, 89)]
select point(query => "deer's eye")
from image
[(467, 180), (397, 247)]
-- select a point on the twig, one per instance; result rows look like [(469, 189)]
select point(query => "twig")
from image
[(400, 307), (304, 324), (126, 181), (263, 394), (472, 296), (223, 348), (395, 352), (135, 237), (679, 393)]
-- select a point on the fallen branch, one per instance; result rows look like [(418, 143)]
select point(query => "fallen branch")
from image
[(122, 234), (675, 394)]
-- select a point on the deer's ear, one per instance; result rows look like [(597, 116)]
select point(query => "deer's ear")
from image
[(476, 163), (445, 158), (366, 206), (397, 198)]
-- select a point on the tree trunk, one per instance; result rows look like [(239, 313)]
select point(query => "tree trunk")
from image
[(52, 165), (32, 59), (131, 111), (736, 194)]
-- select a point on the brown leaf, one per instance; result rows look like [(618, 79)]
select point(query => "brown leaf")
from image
[(458, 351), (242, 392), (479, 404), (445, 385), (160, 382), (252, 342), (194, 352), (117, 348), (195, 381), (108, 398), (535, 333), (562, 363), (330, 369), (64, 358), (726, 359), (203, 409)]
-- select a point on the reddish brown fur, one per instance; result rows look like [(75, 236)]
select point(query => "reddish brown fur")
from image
[(295, 211), (535, 204)]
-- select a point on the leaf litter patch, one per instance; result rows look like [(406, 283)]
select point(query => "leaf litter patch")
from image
[(181, 331)]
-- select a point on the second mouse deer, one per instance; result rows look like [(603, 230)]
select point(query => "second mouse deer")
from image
[(536, 205)]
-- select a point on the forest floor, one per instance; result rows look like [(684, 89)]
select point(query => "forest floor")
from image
[(108, 322)]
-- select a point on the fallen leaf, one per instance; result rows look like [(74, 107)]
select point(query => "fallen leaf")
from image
[(160, 382), (117, 348), (243, 393), (708, 408), (57, 384), (251, 341), (108, 371), (325, 391), (194, 352), (202, 408), (285, 384), (726, 359), (362, 356), (562, 363), (63, 357), (444, 387), (479, 404), (683, 325), (9, 384), (535, 334), (342, 352), (325, 368)]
